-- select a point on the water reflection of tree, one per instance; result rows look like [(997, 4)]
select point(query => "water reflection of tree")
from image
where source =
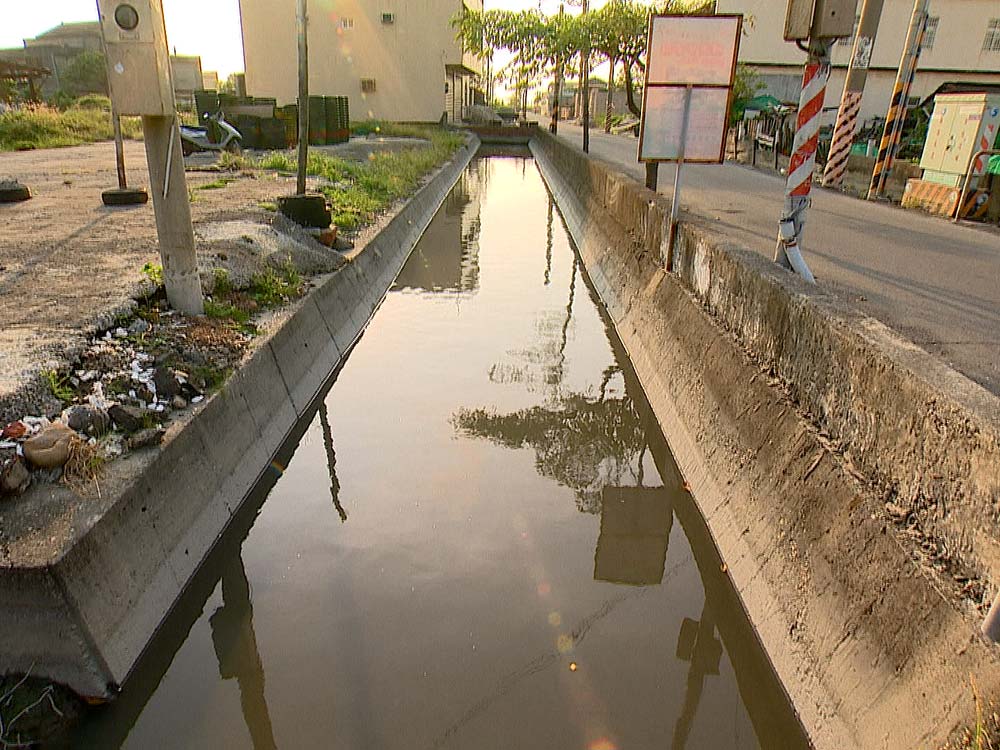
[(583, 444)]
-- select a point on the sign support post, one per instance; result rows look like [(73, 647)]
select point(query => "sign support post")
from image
[(675, 199)]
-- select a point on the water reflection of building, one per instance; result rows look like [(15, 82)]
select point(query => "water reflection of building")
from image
[(447, 256), (635, 532)]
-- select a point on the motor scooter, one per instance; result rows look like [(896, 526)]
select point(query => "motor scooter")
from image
[(219, 135)]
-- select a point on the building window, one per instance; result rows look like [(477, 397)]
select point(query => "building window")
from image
[(847, 41), (367, 85), (347, 23), (388, 18), (930, 32), (992, 41)]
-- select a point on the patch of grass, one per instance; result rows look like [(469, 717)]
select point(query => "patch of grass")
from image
[(223, 284), (85, 466), (208, 378), (59, 386), (274, 288), (218, 184), (358, 192), (226, 311), (235, 162), (278, 161), (268, 205), (86, 121)]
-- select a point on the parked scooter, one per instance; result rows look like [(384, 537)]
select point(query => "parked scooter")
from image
[(219, 135)]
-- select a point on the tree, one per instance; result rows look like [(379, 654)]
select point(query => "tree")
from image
[(618, 31), (745, 87), (86, 73)]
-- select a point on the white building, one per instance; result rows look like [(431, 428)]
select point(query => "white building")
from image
[(962, 45), (395, 59)]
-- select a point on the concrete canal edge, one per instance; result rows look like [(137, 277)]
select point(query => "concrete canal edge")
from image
[(795, 420), (84, 618)]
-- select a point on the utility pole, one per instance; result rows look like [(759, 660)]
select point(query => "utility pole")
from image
[(138, 60), (585, 85), (854, 86), (303, 26), (900, 95)]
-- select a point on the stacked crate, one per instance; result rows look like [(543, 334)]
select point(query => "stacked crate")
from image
[(338, 121)]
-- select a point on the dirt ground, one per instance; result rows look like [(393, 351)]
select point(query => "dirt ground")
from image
[(68, 264)]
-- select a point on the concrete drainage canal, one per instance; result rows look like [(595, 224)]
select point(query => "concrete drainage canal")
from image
[(477, 540)]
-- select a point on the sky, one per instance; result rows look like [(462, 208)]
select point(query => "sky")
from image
[(215, 34)]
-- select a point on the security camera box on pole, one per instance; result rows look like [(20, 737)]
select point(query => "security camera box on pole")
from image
[(819, 19), (138, 57)]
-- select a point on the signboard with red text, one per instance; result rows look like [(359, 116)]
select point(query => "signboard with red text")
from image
[(688, 52)]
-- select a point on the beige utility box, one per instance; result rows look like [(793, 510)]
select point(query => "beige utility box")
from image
[(822, 19), (961, 125), (138, 57)]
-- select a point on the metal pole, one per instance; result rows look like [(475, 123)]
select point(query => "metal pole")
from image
[(585, 84), (803, 159), (854, 86), (303, 23), (675, 200), (900, 93), (116, 123)]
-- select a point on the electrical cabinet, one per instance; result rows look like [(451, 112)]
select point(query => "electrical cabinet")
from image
[(135, 40), (961, 125), (822, 19)]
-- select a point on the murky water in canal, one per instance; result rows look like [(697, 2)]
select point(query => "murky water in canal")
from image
[(472, 545)]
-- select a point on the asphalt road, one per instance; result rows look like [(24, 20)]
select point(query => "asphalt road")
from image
[(936, 283)]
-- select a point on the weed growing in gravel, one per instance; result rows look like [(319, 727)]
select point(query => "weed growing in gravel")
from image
[(153, 272), (273, 288), (59, 386)]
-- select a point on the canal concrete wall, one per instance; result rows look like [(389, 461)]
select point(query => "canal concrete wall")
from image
[(83, 615), (848, 478)]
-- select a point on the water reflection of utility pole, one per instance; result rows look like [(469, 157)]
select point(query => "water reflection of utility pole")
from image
[(565, 328), (331, 461), (698, 645), (548, 245), (236, 650)]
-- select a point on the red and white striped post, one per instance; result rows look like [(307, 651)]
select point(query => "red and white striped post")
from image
[(803, 161)]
